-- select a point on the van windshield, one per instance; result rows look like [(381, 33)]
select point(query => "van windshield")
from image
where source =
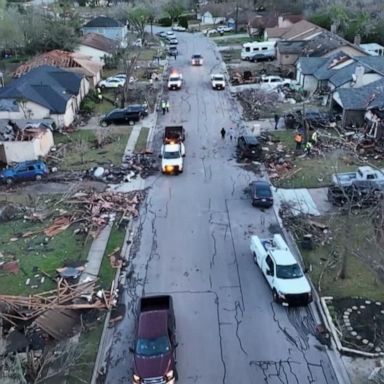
[(292, 271), (153, 347)]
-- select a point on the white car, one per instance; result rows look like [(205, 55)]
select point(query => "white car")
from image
[(218, 81), (178, 28), (175, 81), (225, 29), (173, 41), (112, 82), (170, 33)]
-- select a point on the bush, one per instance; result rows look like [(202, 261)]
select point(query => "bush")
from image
[(87, 105), (165, 21)]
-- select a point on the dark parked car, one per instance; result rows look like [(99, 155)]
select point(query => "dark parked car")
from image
[(248, 147), (142, 109), (261, 194), (121, 116), (27, 170)]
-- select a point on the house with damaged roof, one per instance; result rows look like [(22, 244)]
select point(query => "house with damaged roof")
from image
[(44, 92), (360, 106), (327, 74), (98, 47), (70, 61)]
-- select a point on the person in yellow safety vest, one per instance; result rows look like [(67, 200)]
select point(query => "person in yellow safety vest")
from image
[(314, 138), (308, 147), (163, 106), (167, 105), (298, 140)]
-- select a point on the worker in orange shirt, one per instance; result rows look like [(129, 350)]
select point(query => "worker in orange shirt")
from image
[(298, 140)]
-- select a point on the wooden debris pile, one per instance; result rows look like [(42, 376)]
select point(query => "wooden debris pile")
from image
[(15, 309), (257, 101), (307, 230), (143, 164)]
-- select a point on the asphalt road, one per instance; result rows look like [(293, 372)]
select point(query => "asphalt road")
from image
[(193, 243)]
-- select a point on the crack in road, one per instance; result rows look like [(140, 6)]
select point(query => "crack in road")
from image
[(239, 311), (277, 369), (207, 171)]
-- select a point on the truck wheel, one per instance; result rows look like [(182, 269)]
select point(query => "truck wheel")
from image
[(9, 181), (38, 177), (104, 124)]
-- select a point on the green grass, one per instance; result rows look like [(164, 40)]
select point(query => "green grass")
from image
[(233, 41), (353, 235), (315, 172), (141, 144), (35, 252), (107, 273), (81, 153), (88, 346)]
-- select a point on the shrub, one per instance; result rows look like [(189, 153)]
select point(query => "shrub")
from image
[(87, 105), (183, 21), (165, 21)]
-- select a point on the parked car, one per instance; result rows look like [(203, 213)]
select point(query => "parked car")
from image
[(261, 194), (161, 34), (173, 42), (26, 170), (314, 118), (178, 28), (248, 147), (112, 82), (172, 50), (170, 35), (142, 109), (225, 28), (121, 116), (197, 59)]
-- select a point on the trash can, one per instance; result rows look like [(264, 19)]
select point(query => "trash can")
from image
[(307, 242), (290, 121)]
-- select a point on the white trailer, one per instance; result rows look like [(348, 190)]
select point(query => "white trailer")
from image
[(258, 50)]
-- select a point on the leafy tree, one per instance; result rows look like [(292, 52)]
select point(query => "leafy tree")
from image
[(322, 19), (174, 8), (340, 17), (138, 17), (361, 24)]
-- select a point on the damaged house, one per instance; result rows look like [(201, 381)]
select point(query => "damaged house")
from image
[(69, 61), (325, 75), (44, 92), (24, 140)]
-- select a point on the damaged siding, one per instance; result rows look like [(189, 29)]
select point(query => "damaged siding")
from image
[(27, 110), (18, 151)]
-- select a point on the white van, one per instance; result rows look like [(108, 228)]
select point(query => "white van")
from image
[(258, 50)]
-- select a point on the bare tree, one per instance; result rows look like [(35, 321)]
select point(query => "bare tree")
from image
[(82, 147)]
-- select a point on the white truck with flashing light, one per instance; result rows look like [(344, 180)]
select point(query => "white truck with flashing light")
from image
[(172, 158), (218, 81), (281, 270), (175, 81)]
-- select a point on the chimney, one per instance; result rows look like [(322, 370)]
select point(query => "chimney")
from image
[(357, 40), (334, 28), (357, 77), (280, 20)]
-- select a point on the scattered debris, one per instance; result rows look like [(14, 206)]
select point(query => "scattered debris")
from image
[(256, 101)]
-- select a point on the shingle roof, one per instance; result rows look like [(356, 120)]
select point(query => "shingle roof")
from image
[(332, 65), (62, 59), (291, 46), (104, 22), (376, 63), (309, 65), (48, 86), (100, 42), (297, 30), (367, 97)]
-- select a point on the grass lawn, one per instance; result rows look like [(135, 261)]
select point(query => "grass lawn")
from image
[(88, 347), (141, 144), (37, 253), (315, 172), (353, 235), (233, 40), (107, 273), (81, 153)]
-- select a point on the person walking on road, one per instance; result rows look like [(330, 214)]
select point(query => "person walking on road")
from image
[(163, 106), (276, 120), (231, 135), (222, 133), (167, 105)]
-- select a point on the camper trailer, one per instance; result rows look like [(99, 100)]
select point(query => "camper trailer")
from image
[(258, 50)]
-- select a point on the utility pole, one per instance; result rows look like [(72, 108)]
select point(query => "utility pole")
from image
[(237, 16)]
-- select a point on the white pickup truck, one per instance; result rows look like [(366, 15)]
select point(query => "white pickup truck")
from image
[(218, 81), (363, 173), (175, 81), (281, 270), (172, 158), (271, 83)]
